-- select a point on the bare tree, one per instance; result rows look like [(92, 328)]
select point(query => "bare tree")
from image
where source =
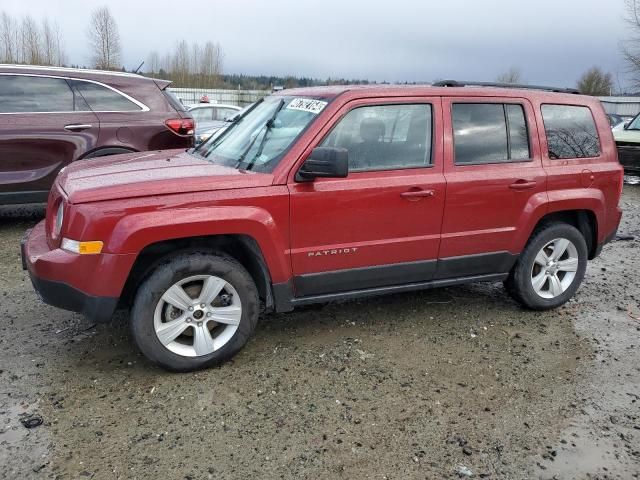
[(631, 46), (49, 44), (595, 82), (153, 63), (511, 76), (105, 39), (8, 39), (31, 41)]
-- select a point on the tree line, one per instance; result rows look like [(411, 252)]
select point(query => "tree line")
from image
[(25, 40)]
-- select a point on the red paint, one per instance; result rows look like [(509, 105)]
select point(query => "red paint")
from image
[(366, 219)]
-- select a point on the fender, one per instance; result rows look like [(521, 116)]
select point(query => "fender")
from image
[(559, 201), (136, 231)]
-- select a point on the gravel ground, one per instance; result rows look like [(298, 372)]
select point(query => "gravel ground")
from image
[(439, 384)]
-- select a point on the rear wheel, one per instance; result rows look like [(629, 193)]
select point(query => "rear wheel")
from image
[(550, 269), (194, 311)]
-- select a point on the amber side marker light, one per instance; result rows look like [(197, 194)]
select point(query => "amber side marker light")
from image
[(82, 248)]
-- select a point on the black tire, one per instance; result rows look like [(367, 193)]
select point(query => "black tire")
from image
[(175, 269), (519, 283)]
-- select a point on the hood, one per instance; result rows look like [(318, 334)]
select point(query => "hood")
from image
[(629, 136), (151, 173)]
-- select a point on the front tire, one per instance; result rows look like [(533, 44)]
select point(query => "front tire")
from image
[(194, 311), (550, 269)]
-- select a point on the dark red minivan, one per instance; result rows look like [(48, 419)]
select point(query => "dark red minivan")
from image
[(50, 117)]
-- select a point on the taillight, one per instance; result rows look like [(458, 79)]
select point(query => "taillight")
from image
[(181, 126)]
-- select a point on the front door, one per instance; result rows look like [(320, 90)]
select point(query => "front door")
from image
[(380, 226)]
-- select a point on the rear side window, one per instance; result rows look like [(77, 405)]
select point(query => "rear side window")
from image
[(24, 94), (103, 99), (571, 132), (489, 133)]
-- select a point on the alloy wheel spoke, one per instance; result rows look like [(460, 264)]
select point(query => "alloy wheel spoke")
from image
[(559, 247), (542, 258), (211, 288), (169, 331), (539, 280), (177, 297), (555, 287), (228, 315), (202, 341), (568, 265)]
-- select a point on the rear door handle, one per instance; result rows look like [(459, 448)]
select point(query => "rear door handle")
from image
[(77, 127), (523, 185), (415, 194)]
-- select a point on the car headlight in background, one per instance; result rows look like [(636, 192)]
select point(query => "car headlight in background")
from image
[(57, 228)]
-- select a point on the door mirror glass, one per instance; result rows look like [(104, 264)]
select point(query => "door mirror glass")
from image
[(324, 162)]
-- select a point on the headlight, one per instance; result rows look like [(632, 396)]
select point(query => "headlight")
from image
[(59, 219)]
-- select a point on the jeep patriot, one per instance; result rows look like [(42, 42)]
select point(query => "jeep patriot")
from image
[(331, 193)]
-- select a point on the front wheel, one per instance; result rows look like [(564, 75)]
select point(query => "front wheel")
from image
[(194, 311), (550, 269)]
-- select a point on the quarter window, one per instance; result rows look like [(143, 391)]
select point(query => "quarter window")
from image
[(571, 132), (102, 99), (25, 94), (489, 133), (385, 137)]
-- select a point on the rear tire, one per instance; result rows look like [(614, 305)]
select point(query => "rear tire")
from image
[(194, 311), (550, 269)]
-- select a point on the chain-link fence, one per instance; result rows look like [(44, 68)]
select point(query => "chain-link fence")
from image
[(240, 98)]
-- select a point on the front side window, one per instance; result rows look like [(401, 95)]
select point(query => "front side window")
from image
[(25, 94), (571, 132), (384, 137), (489, 133), (103, 99), (259, 139)]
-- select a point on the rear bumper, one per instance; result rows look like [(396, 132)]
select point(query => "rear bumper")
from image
[(89, 284)]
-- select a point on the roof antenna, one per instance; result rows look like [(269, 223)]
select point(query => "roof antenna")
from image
[(139, 67)]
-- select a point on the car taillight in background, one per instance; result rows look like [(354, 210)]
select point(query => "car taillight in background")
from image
[(181, 126)]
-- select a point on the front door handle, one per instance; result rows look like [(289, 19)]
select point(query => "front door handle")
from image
[(77, 127), (416, 194), (523, 185)]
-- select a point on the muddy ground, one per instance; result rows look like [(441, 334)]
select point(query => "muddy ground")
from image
[(438, 384)]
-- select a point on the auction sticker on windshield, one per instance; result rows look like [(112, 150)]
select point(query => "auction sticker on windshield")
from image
[(307, 105)]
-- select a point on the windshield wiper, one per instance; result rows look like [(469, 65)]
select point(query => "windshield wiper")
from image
[(267, 126)]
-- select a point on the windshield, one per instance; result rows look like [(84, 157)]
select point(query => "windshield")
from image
[(258, 140), (635, 123)]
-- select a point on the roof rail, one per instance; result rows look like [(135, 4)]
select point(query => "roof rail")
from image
[(455, 83)]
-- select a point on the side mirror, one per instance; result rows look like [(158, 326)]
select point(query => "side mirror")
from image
[(626, 125), (325, 162)]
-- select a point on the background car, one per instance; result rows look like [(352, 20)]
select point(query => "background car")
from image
[(50, 117), (210, 118), (628, 144)]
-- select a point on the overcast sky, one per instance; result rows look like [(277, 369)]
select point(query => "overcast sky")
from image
[(550, 41)]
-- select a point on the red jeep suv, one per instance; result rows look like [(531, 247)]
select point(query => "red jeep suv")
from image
[(50, 117), (331, 193)]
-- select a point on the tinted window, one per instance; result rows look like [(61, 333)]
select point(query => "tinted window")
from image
[(384, 137), (102, 99), (518, 134), (489, 133), (571, 131), (34, 94)]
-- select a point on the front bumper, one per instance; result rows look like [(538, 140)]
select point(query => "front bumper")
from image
[(89, 284)]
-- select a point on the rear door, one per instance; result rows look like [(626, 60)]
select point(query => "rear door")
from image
[(380, 226), (494, 175), (43, 127)]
